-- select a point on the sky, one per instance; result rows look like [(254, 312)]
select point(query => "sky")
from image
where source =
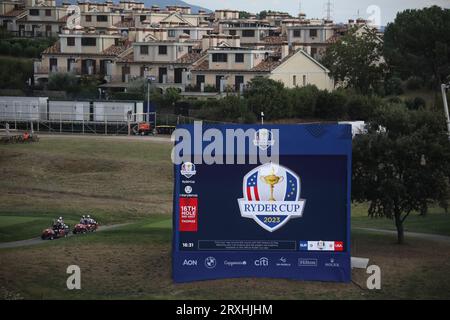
[(384, 11)]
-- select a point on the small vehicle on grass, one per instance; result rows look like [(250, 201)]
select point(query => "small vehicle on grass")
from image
[(55, 233), (87, 224), (85, 228)]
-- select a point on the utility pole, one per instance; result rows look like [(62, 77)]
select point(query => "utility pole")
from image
[(444, 88)]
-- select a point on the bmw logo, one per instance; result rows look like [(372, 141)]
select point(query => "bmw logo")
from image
[(210, 262)]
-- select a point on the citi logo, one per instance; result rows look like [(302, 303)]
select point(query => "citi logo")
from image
[(192, 263), (262, 262)]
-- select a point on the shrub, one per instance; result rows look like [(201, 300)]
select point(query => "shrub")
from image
[(62, 82), (16, 50), (416, 103), (360, 107), (303, 101), (268, 96), (4, 48), (414, 83), (331, 105), (393, 86)]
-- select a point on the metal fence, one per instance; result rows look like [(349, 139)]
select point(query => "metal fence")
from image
[(77, 123), (72, 122)]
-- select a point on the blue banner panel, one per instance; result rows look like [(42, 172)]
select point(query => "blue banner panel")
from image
[(237, 217)]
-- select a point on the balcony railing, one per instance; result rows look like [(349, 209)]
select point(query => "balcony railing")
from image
[(35, 34), (55, 69)]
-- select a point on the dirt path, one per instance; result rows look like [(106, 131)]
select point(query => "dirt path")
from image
[(158, 139), (38, 240), (423, 236)]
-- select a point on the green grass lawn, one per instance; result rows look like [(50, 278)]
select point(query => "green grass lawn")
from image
[(435, 222), (114, 181), (133, 262), (120, 181)]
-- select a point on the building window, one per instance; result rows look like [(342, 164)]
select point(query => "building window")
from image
[(220, 57), (297, 33), (48, 12), (232, 32), (171, 34), (34, 12), (294, 81), (142, 18), (239, 57), (88, 18), (313, 52), (89, 42), (248, 33), (238, 80), (144, 49), (70, 42), (187, 32), (162, 50), (53, 63), (143, 71), (313, 33), (200, 79), (304, 80), (70, 65), (102, 18)]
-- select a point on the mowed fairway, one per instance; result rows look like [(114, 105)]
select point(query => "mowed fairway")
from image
[(131, 181), (116, 181)]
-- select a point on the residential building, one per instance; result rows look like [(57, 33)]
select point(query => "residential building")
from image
[(251, 32), (83, 53), (226, 14), (228, 68), (32, 18), (312, 36), (166, 60), (10, 12)]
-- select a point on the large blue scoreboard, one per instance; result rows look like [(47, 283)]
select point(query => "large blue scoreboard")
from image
[(285, 215)]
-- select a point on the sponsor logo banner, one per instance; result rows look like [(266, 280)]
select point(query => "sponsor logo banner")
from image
[(188, 221), (321, 246)]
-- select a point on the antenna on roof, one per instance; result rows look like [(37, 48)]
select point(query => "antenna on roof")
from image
[(328, 8)]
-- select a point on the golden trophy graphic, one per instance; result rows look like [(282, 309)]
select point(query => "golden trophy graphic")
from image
[(272, 180)]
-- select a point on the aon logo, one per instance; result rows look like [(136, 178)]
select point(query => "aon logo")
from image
[(189, 262)]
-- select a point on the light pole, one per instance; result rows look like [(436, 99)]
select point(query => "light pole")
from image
[(149, 82), (262, 118), (444, 88)]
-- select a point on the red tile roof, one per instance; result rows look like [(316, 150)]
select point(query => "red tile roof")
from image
[(56, 48), (128, 23), (190, 58), (13, 13), (203, 66), (114, 50), (275, 40), (127, 59)]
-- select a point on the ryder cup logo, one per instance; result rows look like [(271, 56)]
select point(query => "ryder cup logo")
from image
[(271, 196), (188, 169), (263, 139)]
